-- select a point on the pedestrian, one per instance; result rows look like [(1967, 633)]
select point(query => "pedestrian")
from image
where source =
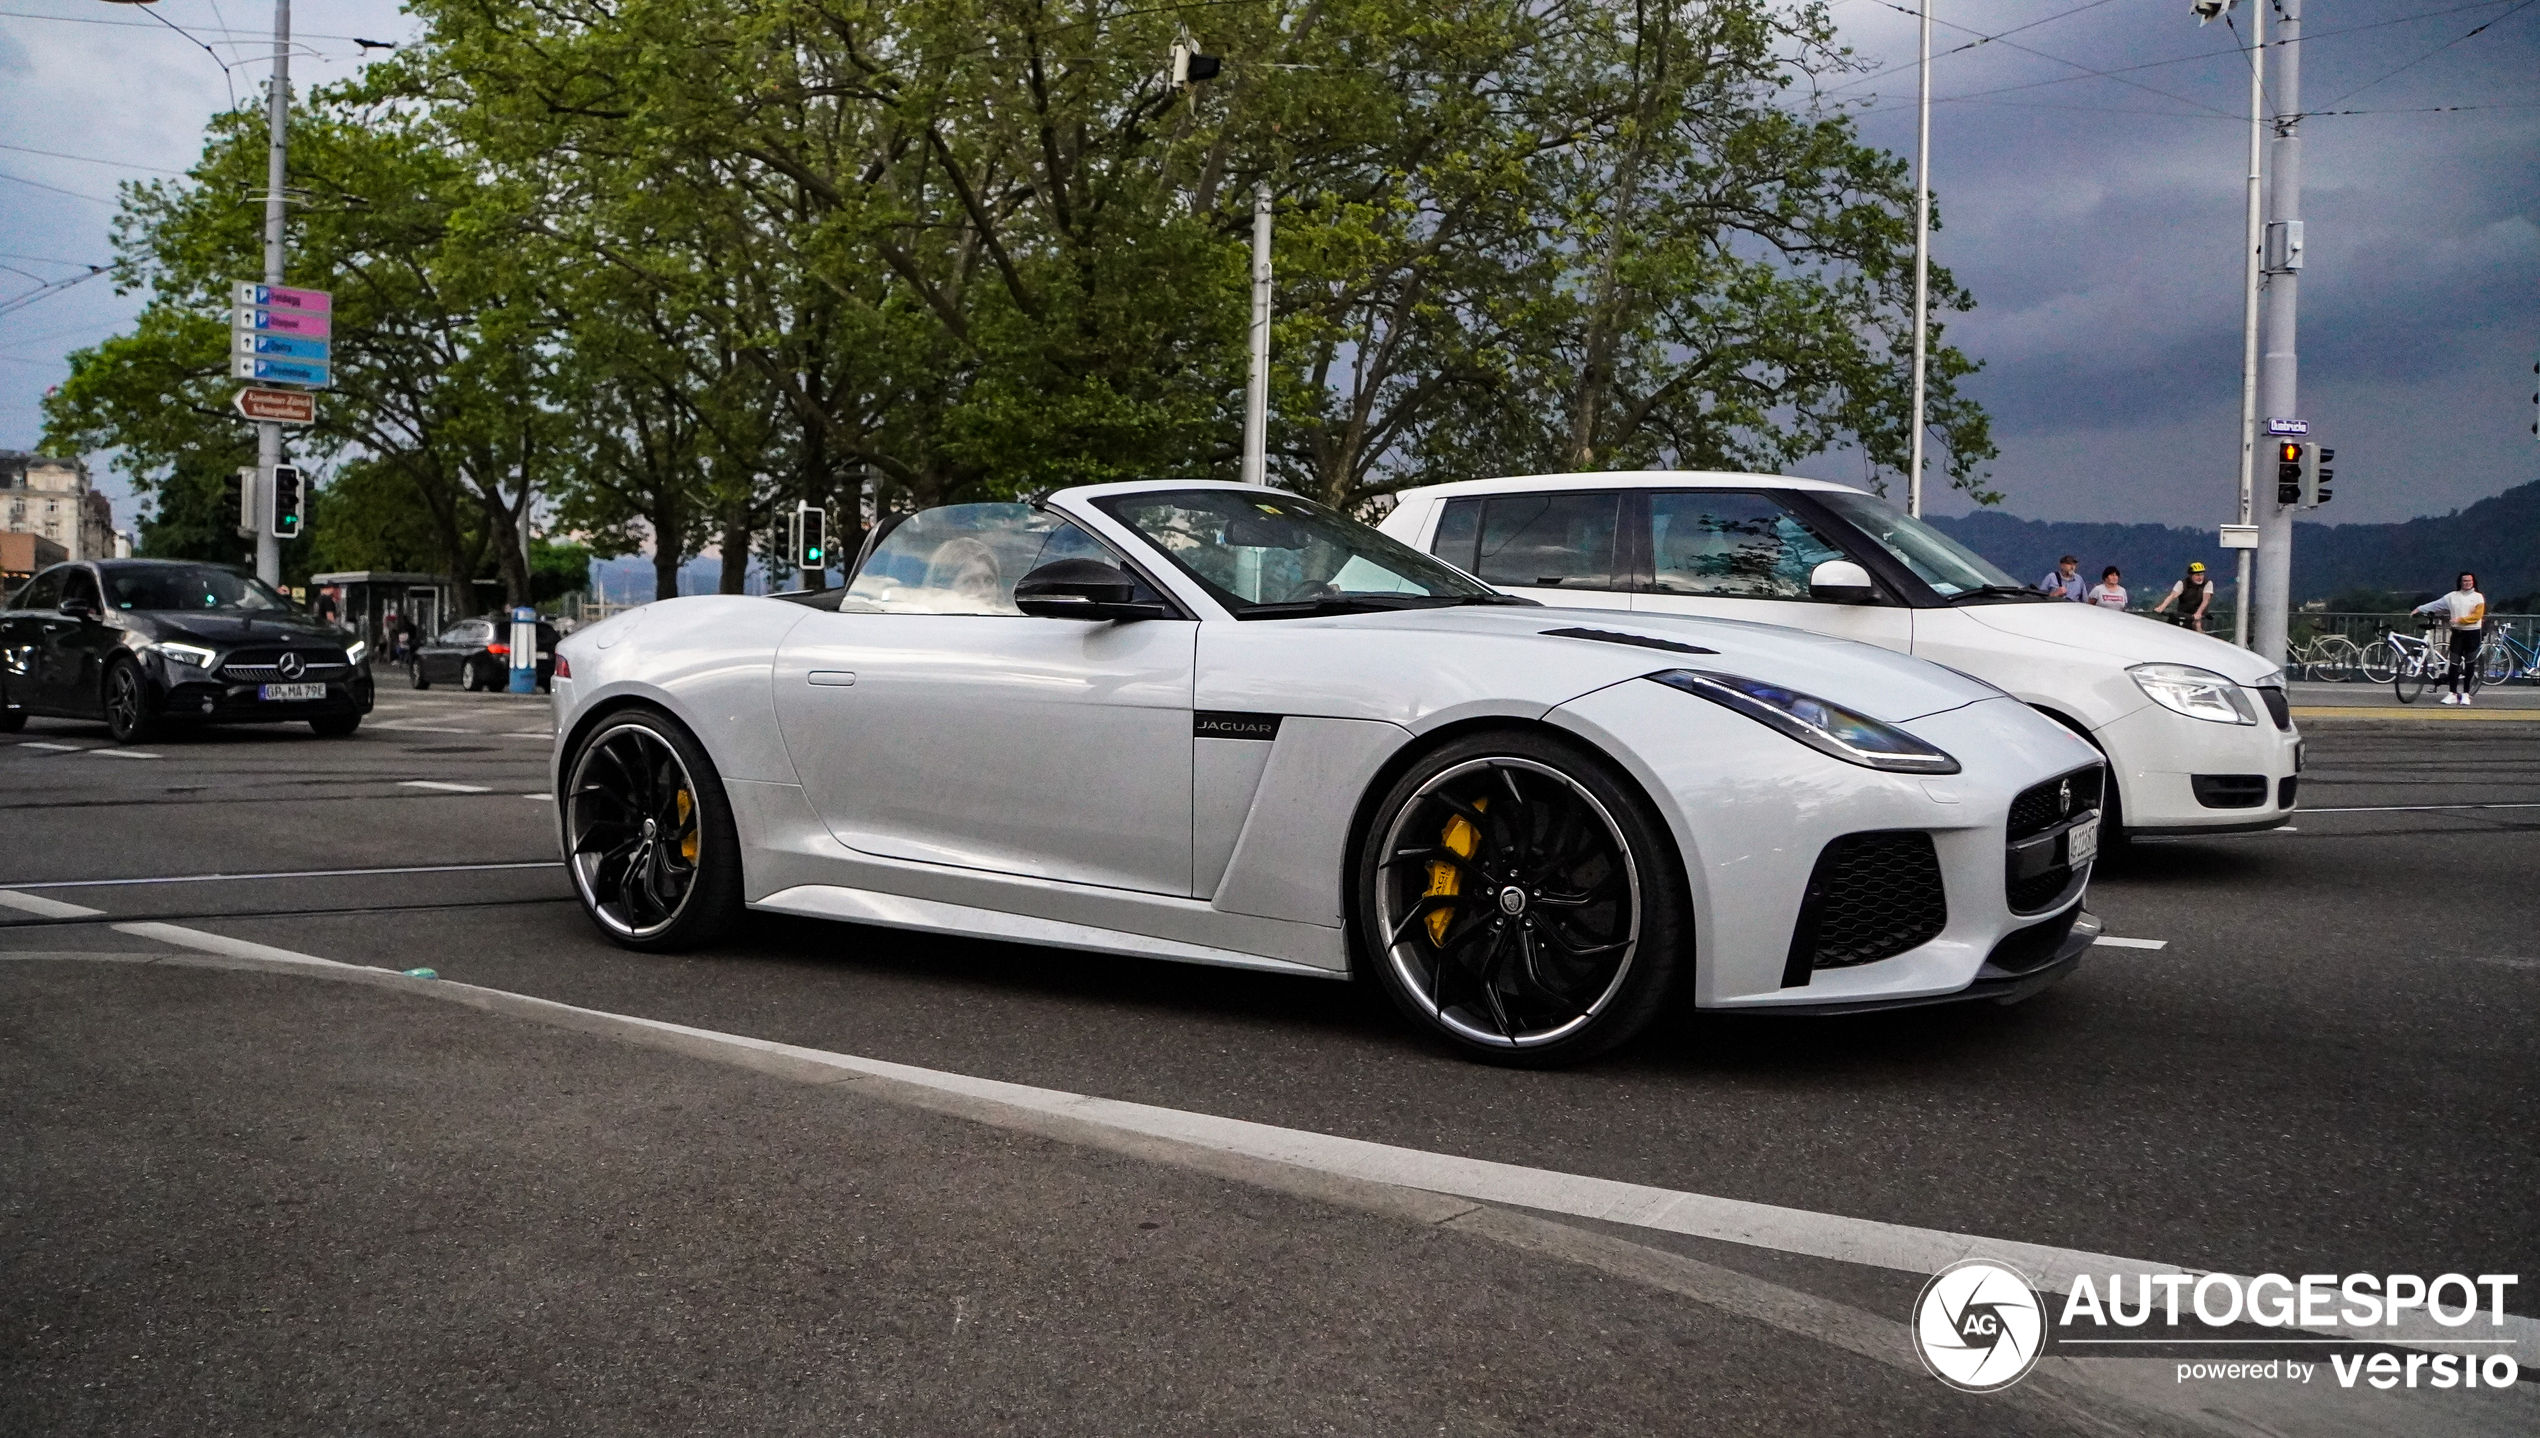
[(2465, 610), (2064, 580), (2193, 595), (2109, 592)]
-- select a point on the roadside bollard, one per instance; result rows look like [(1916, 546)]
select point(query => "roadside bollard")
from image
[(524, 654)]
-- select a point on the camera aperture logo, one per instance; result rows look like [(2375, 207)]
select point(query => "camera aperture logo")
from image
[(1978, 1326)]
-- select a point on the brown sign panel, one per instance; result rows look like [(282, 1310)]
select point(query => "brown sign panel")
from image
[(277, 406)]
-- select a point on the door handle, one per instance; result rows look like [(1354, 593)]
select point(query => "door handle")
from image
[(833, 678)]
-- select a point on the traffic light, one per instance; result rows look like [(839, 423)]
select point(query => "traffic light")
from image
[(811, 538), (239, 493), (2288, 471), (286, 501), (1189, 67), (2316, 478)]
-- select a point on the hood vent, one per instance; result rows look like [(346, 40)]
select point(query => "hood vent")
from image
[(1608, 636)]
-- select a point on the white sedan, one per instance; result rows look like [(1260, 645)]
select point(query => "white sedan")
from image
[(1221, 724)]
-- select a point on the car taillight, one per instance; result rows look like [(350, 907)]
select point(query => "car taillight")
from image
[(564, 668), (498, 650)]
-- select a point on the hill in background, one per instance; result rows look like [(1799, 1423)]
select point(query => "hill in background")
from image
[(2498, 539)]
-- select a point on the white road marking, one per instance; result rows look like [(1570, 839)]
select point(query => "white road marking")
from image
[(531, 734), (124, 754), (185, 938), (2116, 943), (295, 874), (550, 798), (437, 784), (1862, 1241), (2414, 808), (40, 744), (44, 908), (428, 729)]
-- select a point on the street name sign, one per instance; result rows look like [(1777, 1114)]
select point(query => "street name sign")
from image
[(2288, 426), (282, 336), (277, 406)]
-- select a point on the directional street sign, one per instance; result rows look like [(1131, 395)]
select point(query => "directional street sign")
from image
[(281, 335), (282, 347), (277, 406), (275, 371)]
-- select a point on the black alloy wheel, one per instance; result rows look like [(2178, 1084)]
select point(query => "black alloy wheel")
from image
[(648, 835), (1520, 901), (129, 716), (467, 676), (415, 675)]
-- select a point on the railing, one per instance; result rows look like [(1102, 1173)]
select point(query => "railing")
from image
[(2305, 625)]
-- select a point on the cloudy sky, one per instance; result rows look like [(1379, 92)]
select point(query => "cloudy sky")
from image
[(2088, 163)]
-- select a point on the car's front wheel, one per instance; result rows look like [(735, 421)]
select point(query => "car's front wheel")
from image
[(415, 675), (130, 716), (1520, 900), (648, 834)]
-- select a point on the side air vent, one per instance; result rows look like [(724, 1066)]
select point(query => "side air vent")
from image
[(1608, 636), (1872, 896)]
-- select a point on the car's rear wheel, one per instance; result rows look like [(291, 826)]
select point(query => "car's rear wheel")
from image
[(1520, 900), (415, 675), (130, 716), (468, 679), (648, 834)]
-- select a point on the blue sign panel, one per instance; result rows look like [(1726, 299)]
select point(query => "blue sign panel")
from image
[(280, 371), (283, 347)]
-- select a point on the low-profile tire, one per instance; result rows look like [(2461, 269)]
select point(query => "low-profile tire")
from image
[(335, 726), (1565, 919), (467, 676), (415, 676), (125, 696), (648, 834)]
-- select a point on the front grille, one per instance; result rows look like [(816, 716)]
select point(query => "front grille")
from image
[(2229, 791), (1872, 896), (2041, 807), (2277, 709), (2024, 949), (258, 665)]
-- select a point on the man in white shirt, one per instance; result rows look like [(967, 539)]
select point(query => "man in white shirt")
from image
[(2464, 610)]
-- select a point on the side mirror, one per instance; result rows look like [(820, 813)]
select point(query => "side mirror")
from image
[(1840, 581), (1082, 589), (76, 608)]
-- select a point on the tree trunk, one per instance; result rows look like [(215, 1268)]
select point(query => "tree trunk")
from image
[(736, 552)]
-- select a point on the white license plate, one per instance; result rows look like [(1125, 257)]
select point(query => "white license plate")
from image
[(290, 691), (2081, 842)]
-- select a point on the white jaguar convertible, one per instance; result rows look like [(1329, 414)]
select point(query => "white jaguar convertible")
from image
[(1221, 724)]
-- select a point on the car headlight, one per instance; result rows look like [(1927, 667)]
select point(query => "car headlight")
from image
[(192, 656), (356, 651), (2196, 693), (1825, 727)]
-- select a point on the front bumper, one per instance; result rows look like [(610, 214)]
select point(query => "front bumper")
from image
[(2156, 757), (222, 701), (1994, 982)]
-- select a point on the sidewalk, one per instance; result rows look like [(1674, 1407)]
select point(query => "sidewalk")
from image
[(2312, 701)]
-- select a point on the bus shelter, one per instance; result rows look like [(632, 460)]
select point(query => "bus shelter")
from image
[(368, 603)]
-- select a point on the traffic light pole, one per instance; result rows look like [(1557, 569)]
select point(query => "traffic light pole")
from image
[(269, 434), (1256, 466), (2279, 392), (2253, 241)]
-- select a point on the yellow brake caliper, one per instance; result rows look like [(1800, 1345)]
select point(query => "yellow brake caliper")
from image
[(688, 836), (1445, 880)]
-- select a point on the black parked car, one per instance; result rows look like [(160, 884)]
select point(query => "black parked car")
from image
[(476, 654), (142, 643)]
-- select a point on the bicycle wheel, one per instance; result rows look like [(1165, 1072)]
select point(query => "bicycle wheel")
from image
[(2415, 672), (2377, 664), (2496, 664), (2341, 656)]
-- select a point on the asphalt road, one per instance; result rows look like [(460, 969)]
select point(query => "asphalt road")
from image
[(2327, 1068)]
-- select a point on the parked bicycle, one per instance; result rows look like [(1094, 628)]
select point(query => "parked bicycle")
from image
[(2504, 659), (2332, 658)]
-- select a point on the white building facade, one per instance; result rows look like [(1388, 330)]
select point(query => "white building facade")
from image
[(51, 498)]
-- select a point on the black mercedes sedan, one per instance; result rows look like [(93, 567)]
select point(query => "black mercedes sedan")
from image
[(147, 643)]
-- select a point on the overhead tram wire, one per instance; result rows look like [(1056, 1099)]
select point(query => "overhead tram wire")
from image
[(2122, 70), (1961, 49), (92, 160), (2087, 72), (2430, 54)]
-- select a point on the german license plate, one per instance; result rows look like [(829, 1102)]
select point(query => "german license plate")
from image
[(2081, 842), (290, 691)]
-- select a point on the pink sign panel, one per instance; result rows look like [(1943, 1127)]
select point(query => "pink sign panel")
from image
[(284, 322), (260, 296)]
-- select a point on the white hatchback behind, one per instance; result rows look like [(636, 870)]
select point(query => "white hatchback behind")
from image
[(2197, 731)]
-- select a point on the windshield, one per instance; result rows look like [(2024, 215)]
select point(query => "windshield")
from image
[(190, 586), (1939, 561), (1264, 556)]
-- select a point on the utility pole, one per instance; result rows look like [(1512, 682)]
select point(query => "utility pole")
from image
[(277, 118), (2252, 242), (1922, 261), (1256, 466), (2279, 393)]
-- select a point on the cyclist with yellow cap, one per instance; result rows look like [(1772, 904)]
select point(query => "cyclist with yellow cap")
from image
[(2193, 595)]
